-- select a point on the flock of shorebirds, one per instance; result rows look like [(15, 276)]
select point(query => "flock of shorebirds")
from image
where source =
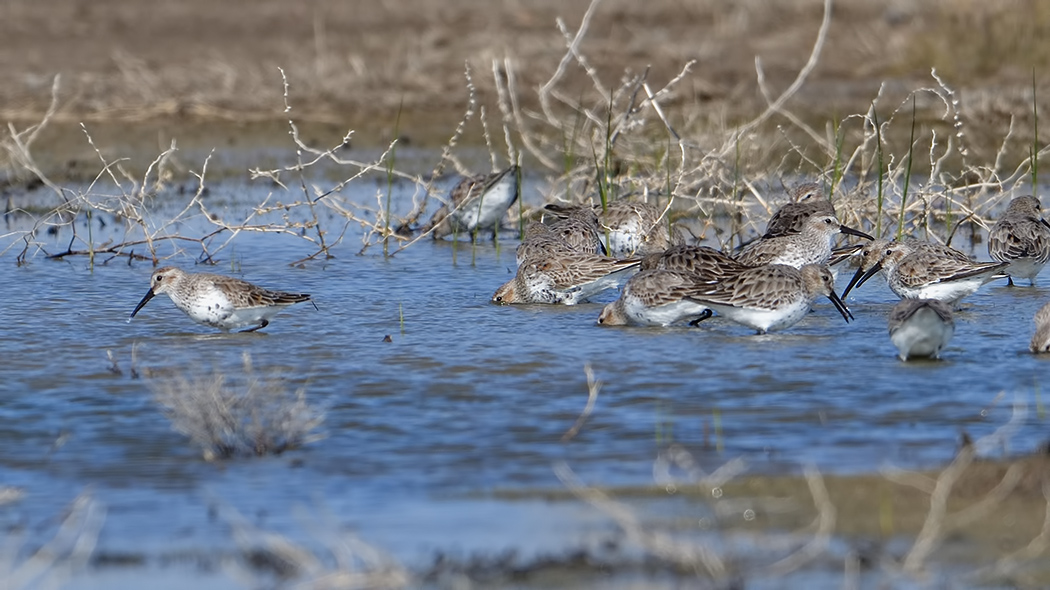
[(769, 284)]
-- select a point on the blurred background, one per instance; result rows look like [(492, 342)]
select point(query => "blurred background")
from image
[(140, 70)]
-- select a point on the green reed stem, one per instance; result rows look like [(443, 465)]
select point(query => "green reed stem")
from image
[(879, 197), (664, 426), (390, 179), (737, 217), (907, 172), (716, 416), (607, 165), (521, 201), (474, 233), (885, 511), (1040, 410), (667, 167), (91, 241), (1035, 139), (836, 174)]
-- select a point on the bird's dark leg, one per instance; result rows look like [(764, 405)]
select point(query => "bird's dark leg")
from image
[(261, 325)]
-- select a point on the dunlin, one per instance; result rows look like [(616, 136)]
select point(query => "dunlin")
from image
[(921, 327), (218, 301), (702, 261), (811, 246), (632, 229), (635, 229), (1041, 339), (565, 279), (872, 252), (771, 297), (578, 226), (476, 204), (1022, 238), (541, 241), (807, 200), (655, 298), (916, 270)]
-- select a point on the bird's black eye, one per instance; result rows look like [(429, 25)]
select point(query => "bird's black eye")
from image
[(160, 278), (499, 299)]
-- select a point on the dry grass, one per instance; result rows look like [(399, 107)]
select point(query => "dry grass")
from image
[(350, 63), (248, 415), (979, 40), (969, 502), (54, 563), (914, 161), (337, 559)]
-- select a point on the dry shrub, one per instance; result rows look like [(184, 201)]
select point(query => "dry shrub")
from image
[(915, 162), (252, 415)]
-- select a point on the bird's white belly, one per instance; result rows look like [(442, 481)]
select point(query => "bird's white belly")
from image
[(213, 309), (1025, 268), (765, 320), (625, 240), (949, 291), (486, 211), (663, 315)]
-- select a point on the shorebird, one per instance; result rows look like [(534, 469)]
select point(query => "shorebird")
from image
[(1022, 238), (771, 297), (655, 298), (811, 246), (872, 252), (218, 301), (919, 270), (565, 279), (632, 228), (475, 204), (702, 261), (807, 200), (541, 241), (579, 228), (635, 229), (1041, 339), (921, 327)]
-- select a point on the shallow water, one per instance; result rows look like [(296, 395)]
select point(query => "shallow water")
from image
[(467, 399)]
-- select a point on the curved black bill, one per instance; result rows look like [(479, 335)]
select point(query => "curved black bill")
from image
[(859, 278), (149, 295), (854, 232), (839, 305)]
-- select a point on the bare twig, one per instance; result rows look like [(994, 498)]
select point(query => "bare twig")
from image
[(593, 387)]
